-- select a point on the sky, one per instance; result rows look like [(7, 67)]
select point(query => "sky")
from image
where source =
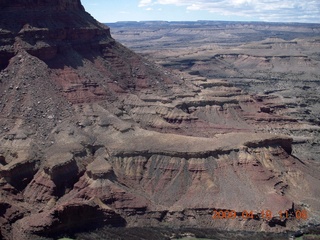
[(108, 11)]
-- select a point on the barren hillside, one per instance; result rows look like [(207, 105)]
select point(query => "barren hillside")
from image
[(94, 135)]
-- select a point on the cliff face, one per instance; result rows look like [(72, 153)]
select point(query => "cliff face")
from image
[(45, 28), (93, 135)]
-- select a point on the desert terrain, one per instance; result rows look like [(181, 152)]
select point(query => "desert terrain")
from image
[(276, 61), (97, 141)]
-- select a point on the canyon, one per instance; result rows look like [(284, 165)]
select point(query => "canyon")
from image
[(94, 135)]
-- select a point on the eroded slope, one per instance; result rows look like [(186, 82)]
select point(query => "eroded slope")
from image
[(94, 135)]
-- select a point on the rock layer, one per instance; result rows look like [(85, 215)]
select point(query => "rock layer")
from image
[(93, 135), (279, 61)]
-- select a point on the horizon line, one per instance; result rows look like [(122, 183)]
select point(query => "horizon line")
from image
[(236, 21)]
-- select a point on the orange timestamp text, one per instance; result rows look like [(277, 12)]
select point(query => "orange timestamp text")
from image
[(264, 214)]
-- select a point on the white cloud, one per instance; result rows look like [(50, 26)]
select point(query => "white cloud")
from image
[(265, 10), (145, 3)]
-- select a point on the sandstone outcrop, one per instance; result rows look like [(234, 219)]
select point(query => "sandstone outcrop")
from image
[(94, 135)]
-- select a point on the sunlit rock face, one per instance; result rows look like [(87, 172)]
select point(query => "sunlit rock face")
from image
[(92, 135)]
